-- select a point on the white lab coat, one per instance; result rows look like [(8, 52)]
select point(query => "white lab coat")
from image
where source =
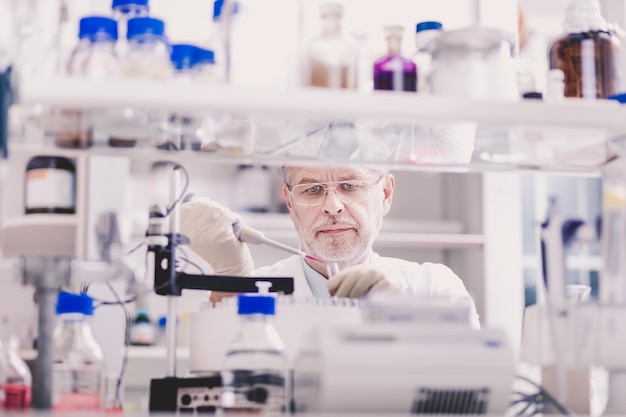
[(410, 277)]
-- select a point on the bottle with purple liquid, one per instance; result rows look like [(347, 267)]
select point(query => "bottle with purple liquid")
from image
[(393, 71)]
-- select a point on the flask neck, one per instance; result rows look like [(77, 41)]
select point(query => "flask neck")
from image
[(331, 24), (394, 45)]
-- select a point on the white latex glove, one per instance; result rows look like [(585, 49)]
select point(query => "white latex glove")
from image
[(209, 226), (358, 280)]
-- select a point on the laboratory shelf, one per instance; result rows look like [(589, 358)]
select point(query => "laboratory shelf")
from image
[(309, 126), (317, 103)]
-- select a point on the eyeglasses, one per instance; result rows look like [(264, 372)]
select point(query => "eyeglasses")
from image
[(314, 194)]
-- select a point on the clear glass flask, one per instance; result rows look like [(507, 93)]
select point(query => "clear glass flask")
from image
[(77, 367), (331, 58), (393, 71), (255, 367)]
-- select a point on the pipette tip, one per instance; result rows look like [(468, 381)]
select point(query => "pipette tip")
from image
[(313, 258)]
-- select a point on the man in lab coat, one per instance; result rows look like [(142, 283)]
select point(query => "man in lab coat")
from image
[(338, 214)]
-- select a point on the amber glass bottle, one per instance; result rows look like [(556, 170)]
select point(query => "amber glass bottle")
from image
[(588, 54)]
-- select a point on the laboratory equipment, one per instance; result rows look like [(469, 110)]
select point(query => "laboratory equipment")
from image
[(249, 235), (78, 361), (148, 52), (331, 58), (17, 385), (432, 368), (476, 62), (255, 367), (588, 53), (183, 58), (393, 71), (425, 32), (205, 69), (123, 11), (94, 57), (142, 329), (50, 185)]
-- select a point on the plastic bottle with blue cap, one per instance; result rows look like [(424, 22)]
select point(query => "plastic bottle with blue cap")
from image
[(78, 363), (425, 33), (255, 366)]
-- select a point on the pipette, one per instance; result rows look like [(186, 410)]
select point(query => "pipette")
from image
[(249, 235)]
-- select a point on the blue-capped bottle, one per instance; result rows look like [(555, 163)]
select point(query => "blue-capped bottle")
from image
[(148, 52), (183, 57), (425, 33), (205, 69), (255, 366), (123, 11), (94, 57), (77, 367)]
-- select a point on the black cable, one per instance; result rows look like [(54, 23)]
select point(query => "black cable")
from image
[(195, 265), (135, 248), (182, 194)]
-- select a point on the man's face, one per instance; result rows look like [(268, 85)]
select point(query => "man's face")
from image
[(335, 230)]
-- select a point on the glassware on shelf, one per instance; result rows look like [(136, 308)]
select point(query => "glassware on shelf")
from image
[(425, 32), (588, 53), (474, 62), (77, 357), (205, 69), (94, 57), (148, 53), (123, 11), (331, 58), (393, 71), (18, 382)]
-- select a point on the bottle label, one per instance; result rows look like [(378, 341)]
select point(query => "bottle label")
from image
[(250, 391), (50, 188)]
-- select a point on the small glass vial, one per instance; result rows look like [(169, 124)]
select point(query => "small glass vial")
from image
[(393, 71), (425, 32), (331, 58), (50, 185), (255, 367), (77, 368), (588, 54)]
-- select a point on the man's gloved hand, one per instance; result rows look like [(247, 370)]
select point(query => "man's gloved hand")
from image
[(209, 226), (358, 280)]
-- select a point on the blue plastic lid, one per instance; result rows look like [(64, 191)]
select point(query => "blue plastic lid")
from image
[(162, 322), (254, 303), (123, 3), (620, 98), (145, 25), (94, 27), (204, 56), (217, 9), (74, 303), (429, 25), (183, 56)]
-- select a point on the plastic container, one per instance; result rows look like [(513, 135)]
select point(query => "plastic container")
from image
[(183, 58), (331, 58), (18, 382), (425, 32), (94, 57), (77, 368), (50, 185), (588, 54), (255, 366), (393, 71)]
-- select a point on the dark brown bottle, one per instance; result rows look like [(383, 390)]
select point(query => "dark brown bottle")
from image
[(588, 54), (590, 63)]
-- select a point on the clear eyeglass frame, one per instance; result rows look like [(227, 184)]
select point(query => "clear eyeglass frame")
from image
[(345, 191)]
